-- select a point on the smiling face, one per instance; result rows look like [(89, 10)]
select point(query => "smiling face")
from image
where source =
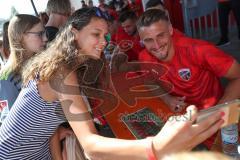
[(91, 38), (157, 39)]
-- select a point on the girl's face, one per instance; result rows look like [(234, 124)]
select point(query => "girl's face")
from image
[(91, 39), (34, 40)]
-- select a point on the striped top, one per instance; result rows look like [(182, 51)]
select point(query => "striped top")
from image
[(26, 131)]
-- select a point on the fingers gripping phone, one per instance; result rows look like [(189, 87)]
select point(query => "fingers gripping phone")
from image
[(231, 110)]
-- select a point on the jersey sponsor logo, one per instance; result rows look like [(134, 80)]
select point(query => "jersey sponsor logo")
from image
[(185, 74)]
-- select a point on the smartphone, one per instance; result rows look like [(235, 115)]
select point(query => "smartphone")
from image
[(231, 110)]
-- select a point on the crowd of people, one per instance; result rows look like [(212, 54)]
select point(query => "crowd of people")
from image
[(56, 69)]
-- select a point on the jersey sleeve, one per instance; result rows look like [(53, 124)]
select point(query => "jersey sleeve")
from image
[(214, 59)]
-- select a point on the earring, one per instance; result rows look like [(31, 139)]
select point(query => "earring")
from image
[(75, 52)]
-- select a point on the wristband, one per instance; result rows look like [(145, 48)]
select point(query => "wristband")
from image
[(149, 149)]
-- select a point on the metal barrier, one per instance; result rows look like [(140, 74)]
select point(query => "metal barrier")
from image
[(200, 18)]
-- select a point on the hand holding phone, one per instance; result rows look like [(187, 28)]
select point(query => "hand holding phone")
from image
[(230, 109)]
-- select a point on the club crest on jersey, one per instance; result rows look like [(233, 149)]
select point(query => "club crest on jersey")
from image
[(185, 74)]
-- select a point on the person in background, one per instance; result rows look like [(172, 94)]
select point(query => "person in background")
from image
[(1, 53), (127, 37), (5, 45), (136, 6), (120, 5), (90, 3), (58, 12), (224, 9), (47, 79), (84, 5), (26, 38), (44, 17), (101, 3)]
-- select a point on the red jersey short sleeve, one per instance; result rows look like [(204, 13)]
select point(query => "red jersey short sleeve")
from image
[(194, 71), (214, 59)]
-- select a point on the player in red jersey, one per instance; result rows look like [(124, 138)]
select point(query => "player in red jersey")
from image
[(127, 37), (193, 66), (136, 6)]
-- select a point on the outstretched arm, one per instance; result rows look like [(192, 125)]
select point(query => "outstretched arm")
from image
[(175, 136), (180, 133)]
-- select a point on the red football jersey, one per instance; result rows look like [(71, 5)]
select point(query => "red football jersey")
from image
[(177, 33), (194, 70), (136, 6), (129, 44)]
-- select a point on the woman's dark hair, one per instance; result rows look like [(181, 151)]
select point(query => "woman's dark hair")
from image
[(82, 17)]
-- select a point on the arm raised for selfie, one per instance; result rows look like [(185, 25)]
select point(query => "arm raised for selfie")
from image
[(175, 136), (96, 146)]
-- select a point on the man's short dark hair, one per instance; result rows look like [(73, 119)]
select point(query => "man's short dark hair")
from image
[(151, 16), (127, 15), (153, 3)]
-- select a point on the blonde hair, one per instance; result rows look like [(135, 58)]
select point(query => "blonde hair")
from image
[(46, 63), (62, 51), (18, 26), (62, 7), (197, 156)]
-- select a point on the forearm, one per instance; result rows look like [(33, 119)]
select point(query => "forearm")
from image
[(231, 92), (55, 148), (112, 148)]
